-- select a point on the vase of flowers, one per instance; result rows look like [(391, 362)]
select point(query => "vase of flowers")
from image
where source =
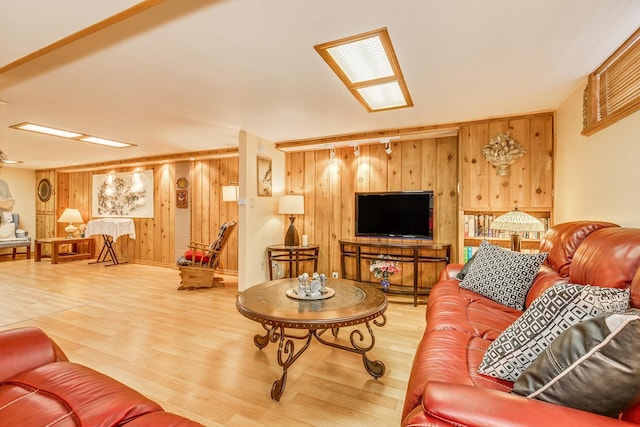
[(383, 268)]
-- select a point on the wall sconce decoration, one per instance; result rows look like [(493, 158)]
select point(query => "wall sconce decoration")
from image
[(502, 152)]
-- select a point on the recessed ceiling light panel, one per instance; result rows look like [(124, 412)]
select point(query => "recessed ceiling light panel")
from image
[(32, 127), (106, 142), (362, 60), (383, 96), (47, 130), (365, 61)]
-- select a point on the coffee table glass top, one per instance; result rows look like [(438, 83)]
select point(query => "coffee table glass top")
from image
[(353, 302)]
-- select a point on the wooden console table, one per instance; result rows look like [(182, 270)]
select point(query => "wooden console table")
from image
[(81, 248), (414, 252)]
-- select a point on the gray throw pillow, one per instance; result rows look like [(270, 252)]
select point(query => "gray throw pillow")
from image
[(502, 275), (592, 366), (557, 309), (465, 268)]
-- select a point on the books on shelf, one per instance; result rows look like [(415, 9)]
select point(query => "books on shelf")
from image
[(478, 225), (469, 251)]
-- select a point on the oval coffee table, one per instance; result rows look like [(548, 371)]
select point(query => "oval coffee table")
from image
[(354, 303)]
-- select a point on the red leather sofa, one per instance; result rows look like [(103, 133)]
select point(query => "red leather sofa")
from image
[(445, 387), (40, 387)]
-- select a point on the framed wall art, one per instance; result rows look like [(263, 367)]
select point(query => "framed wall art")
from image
[(182, 199), (127, 194), (264, 176)]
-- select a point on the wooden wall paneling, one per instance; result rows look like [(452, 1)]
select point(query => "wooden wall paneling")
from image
[(45, 211), (229, 211), (204, 222), (346, 210), (363, 168), (323, 203), (510, 190), (62, 202), (164, 251), (446, 179), (213, 201), (45, 225), (378, 169), (541, 155), (197, 210), (519, 179), (474, 168), (394, 167), (337, 171), (307, 170), (411, 171), (348, 189)]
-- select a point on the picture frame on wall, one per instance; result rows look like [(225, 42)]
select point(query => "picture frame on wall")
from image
[(264, 176), (128, 194), (182, 199)]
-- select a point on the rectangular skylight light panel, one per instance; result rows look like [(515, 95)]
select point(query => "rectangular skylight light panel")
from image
[(49, 131), (388, 95), (362, 60), (106, 142)]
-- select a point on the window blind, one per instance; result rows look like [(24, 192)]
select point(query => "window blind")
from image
[(613, 89)]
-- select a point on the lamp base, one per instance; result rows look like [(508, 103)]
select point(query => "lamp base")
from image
[(292, 238), (516, 242), (71, 230)]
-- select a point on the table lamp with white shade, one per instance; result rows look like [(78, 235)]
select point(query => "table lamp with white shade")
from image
[(516, 222), (292, 205), (71, 216)]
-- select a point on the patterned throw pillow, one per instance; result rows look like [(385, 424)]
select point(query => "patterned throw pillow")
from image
[(6, 218), (8, 231), (502, 275), (557, 309), (592, 366)]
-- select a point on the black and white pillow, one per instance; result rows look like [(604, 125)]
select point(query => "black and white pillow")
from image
[(502, 275), (592, 366), (557, 309)]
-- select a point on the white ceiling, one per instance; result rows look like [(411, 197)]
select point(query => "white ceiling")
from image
[(187, 75)]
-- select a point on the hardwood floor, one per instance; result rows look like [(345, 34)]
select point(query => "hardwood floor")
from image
[(193, 353)]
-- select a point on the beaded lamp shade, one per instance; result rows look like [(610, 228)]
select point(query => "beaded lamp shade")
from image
[(516, 222)]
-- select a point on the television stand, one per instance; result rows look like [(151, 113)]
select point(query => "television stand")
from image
[(416, 253)]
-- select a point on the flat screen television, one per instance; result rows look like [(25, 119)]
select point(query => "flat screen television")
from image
[(401, 214)]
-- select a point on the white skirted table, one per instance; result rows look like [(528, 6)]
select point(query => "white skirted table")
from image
[(110, 229)]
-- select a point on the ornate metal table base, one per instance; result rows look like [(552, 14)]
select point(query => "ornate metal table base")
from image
[(287, 353), (294, 322)]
